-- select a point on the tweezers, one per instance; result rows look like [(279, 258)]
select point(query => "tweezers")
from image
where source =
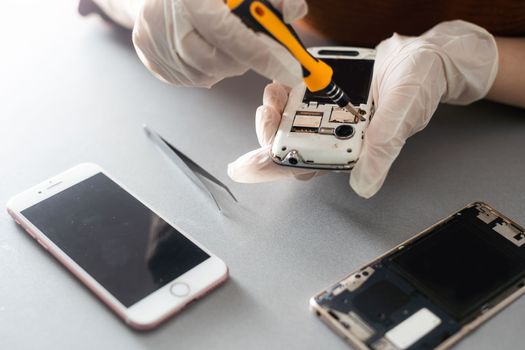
[(192, 170)]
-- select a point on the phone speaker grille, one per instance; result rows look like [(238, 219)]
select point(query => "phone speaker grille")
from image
[(53, 185)]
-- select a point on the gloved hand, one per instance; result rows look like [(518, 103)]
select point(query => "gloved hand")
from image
[(200, 42), (455, 62)]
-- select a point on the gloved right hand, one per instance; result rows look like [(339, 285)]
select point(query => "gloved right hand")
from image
[(200, 42)]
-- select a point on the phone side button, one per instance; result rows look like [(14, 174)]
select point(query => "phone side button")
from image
[(29, 232), (42, 244)]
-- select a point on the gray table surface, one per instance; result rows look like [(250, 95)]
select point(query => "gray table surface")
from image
[(73, 90)]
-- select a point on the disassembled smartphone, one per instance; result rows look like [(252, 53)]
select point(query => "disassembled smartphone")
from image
[(430, 291), (316, 133), (142, 267)]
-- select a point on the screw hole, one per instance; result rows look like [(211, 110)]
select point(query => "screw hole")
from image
[(283, 149)]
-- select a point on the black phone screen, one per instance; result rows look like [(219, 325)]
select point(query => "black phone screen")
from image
[(115, 238), (353, 76)]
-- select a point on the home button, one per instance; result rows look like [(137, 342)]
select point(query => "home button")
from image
[(180, 289)]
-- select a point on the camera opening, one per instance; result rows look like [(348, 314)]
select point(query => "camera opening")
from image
[(344, 131)]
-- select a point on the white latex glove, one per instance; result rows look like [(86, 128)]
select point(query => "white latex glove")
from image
[(454, 62), (200, 42)]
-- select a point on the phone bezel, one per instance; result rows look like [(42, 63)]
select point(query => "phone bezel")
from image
[(449, 342), (152, 309)]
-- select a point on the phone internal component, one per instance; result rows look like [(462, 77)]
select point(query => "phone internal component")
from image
[(413, 328), (341, 115), (307, 121), (344, 131), (326, 131), (513, 234), (379, 300)]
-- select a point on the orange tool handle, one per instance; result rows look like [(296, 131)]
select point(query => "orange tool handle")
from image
[(262, 17)]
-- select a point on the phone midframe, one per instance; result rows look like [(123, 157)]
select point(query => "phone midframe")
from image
[(154, 308), (363, 333), (298, 144)]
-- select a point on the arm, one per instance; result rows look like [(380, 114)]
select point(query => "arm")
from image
[(509, 86)]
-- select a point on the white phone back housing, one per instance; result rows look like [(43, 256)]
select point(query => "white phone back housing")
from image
[(307, 137)]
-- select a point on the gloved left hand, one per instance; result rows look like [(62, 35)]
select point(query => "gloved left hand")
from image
[(454, 62)]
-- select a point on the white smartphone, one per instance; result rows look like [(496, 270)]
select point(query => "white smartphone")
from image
[(144, 268), (316, 133), (432, 290)]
